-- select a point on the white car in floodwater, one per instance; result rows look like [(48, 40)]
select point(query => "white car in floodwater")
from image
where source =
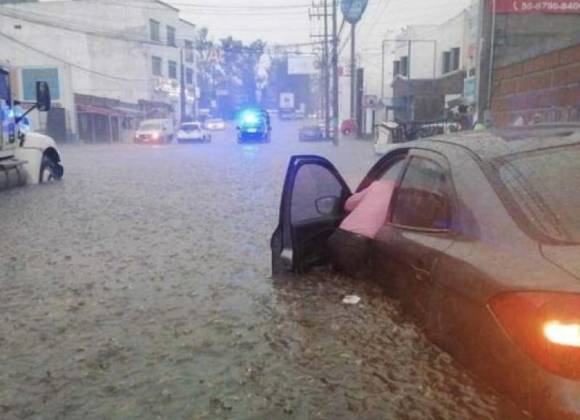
[(191, 132)]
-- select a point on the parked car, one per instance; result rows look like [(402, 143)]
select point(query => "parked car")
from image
[(481, 245), (215, 124), (192, 132), (155, 131), (311, 133)]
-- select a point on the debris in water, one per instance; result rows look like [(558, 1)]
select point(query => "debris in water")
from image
[(351, 300)]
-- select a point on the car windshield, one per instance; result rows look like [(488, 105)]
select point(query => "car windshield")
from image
[(150, 127), (544, 185), (190, 127)]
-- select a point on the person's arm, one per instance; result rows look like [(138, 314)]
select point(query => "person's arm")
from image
[(355, 200)]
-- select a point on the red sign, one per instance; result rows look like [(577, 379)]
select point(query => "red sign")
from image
[(537, 6)]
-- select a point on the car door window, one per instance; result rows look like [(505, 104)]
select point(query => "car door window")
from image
[(313, 185), (423, 199), (393, 173)]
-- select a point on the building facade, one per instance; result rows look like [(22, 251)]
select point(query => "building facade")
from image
[(531, 73), (115, 63), (430, 64)]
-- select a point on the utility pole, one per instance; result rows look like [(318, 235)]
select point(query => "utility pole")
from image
[(383, 68), (326, 74), (335, 72), (352, 71), (325, 68), (409, 82), (182, 96)]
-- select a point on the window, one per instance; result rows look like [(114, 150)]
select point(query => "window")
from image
[(154, 28), (423, 197), (543, 186), (396, 68), (189, 76), (394, 171), (405, 66), (172, 73), (451, 60), (312, 183), (456, 58), (446, 62), (157, 66), (188, 53), (171, 36)]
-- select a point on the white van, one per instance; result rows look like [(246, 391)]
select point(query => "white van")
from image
[(157, 131)]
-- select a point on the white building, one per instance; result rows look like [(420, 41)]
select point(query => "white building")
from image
[(430, 65), (109, 63)]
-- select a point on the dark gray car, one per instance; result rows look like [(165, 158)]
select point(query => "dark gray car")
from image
[(481, 245)]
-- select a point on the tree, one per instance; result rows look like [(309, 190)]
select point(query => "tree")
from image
[(234, 72)]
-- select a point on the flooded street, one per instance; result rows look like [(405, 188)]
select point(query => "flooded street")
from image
[(139, 288)]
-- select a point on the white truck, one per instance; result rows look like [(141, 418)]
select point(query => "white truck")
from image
[(25, 157)]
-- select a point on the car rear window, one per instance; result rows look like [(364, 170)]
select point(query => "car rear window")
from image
[(150, 126), (545, 186), (190, 127)]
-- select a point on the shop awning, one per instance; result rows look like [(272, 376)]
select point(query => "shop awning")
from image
[(108, 112)]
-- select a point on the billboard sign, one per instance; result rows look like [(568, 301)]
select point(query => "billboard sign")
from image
[(537, 6), (301, 64), (286, 100), (32, 75), (352, 10)]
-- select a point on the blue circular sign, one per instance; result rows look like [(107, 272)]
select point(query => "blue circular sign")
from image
[(352, 10)]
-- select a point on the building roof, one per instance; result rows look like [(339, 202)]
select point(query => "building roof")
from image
[(166, 5), (187, 22)]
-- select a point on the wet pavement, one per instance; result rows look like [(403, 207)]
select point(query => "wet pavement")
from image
[(139, 288)]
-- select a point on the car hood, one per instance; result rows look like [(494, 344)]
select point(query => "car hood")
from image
[(566, 257), (148, 132)]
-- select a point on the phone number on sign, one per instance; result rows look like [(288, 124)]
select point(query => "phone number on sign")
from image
[(550, 6)]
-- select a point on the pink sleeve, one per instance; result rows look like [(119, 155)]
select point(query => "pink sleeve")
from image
[(371, 210), (355, 200)]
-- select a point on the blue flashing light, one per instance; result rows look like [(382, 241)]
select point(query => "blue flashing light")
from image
[(250, 118)]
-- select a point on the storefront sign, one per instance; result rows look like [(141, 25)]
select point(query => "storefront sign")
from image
[(353, 10), (537, 6)]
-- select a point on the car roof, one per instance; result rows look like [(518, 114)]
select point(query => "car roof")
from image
[(492, 144)]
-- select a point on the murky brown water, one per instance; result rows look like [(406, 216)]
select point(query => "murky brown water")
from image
[(139, 289)]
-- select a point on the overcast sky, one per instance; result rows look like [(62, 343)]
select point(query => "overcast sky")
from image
[(286, 21)]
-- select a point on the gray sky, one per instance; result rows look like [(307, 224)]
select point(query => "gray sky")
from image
[(286, 21)]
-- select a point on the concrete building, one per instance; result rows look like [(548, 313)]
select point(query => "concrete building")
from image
[(534, 61), (430, 64), (110, 64)]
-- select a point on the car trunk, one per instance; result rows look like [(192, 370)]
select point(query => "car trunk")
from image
[(566, 257)]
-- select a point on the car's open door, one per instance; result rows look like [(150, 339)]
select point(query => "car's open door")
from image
[(312, 208)]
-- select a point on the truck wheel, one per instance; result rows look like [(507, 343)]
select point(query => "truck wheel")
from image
[(49, 170)]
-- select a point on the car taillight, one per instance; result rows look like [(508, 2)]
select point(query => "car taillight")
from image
[(546, 326)]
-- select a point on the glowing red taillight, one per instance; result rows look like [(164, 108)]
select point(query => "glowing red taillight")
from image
[(546, 326)]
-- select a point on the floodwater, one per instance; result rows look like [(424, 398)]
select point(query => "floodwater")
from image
[(139, 288)]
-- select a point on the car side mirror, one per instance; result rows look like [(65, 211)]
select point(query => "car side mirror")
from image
[(43, 101), (327, 206)]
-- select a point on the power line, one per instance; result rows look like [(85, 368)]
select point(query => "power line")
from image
[(97, 73)]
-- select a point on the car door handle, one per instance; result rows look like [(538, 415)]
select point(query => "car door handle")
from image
[(420, 268)]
